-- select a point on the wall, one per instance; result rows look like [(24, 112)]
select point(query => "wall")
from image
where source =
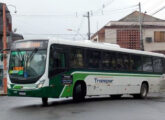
[(153, 46), (110, 36)]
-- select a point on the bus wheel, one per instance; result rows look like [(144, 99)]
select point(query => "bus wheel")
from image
[(143, 92), (45, 101), (115, 96), (79, 92)]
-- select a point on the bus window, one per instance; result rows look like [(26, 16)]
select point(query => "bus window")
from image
[(57, 62), (157, 64), (119, 60), (163, 62), (76, 58), (136, 63), (93, 58), (108, 60), (147, 64), (126, 62)]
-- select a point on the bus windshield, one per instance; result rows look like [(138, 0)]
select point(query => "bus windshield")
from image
[(26, 64)]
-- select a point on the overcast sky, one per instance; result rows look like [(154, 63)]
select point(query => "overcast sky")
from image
[(47, 18)]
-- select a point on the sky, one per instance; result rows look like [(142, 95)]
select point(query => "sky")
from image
[(37, 19)]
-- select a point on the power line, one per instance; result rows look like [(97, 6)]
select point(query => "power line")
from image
[(75, 14), (79, 27), (103, 7), (45, 15), (158, 10), (106, 13), (65, 36), (48, 34)]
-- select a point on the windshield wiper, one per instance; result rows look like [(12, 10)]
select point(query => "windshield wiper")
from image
[(19, 52), (32, 54), (29, 59)]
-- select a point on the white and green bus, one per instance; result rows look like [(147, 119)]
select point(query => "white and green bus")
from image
[(57, 68)]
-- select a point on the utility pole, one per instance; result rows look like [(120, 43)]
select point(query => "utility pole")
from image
[(140, 28), (88, 17), (4, 51)]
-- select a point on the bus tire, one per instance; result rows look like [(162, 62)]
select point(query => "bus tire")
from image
[(143, 92), (44, 101), (79, 92)]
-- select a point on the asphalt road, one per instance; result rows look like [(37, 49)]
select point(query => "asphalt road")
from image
[(126, 108)]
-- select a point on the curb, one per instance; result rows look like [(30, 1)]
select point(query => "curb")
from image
[(2, 94)]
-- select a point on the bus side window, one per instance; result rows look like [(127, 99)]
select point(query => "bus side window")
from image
[(163, 62), (157, 65), (136, 63), (120, 65), (108, 60), (76, 58), (126, 62), (147, 64), (57, 63), (123, 61), (94, 58)]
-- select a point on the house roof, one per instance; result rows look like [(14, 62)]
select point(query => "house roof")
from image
[(134, 17)]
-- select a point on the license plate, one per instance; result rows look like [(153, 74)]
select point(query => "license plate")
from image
[(22, 93)]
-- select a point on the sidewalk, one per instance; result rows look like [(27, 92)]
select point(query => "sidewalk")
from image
[(2, 93)]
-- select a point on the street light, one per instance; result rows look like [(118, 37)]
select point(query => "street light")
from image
[(10, 5), (77, 33)]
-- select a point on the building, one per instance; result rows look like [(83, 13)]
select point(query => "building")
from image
[(126, 32), (8, 24), (10, 36)]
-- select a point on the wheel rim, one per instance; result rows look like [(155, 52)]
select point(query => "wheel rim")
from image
[(78, 89), (144, 91)]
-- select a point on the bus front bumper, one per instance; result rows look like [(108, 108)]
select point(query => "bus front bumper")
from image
[(42, 92)]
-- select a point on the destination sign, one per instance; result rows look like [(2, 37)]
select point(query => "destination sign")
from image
[(30, 44)]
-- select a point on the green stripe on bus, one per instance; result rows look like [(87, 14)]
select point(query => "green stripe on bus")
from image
[(116, 74), (81, 75)]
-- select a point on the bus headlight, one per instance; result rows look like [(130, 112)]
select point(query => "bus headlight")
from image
[(40, 85)]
